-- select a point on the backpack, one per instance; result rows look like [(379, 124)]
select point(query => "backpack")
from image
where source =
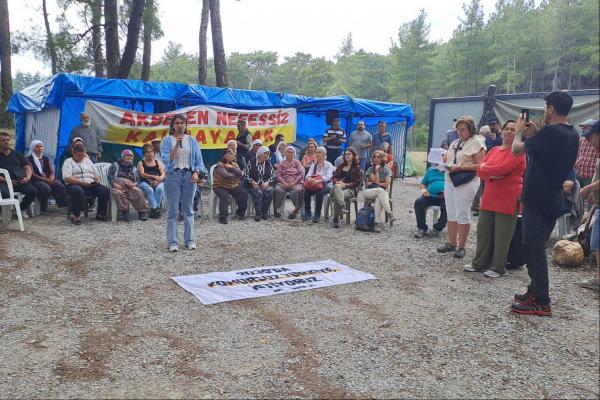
[(365, 219)]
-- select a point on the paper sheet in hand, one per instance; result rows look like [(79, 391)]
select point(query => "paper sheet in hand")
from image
[(217, 287), (435, 156)]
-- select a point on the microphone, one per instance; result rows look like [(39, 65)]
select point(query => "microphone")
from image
[(180, 142)]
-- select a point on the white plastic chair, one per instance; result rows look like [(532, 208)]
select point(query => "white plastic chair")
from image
[(103, 170), (435, 213), (6, 204)]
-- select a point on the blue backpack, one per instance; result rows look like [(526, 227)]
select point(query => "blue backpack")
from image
[(365, 220)]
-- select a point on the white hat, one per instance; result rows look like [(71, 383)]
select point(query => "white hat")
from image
[(261, 150), (257, 141)]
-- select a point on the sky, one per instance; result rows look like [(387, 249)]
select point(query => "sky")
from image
[(316, 27)]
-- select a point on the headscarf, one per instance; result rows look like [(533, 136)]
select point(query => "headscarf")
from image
[(36, 160), (261, 150), (279, 157), (290, 148)]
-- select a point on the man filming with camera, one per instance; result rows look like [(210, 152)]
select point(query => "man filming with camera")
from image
[(551, 154)]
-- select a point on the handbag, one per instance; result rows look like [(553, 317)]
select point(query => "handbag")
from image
[(312, 185), (462, 177)]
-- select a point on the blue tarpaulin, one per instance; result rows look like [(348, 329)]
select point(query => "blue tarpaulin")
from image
[(68, 93)]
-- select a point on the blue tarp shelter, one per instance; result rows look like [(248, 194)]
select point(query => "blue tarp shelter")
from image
[(48, 110)]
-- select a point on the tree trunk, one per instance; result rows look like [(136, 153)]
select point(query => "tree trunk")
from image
[(217, 39), (133, 35), (531, 79), (203, 53), (5, 68), (49, 40), (96, 8), (111, 34), (147, 52)]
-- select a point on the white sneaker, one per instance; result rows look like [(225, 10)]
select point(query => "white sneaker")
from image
[(191, 246), (492, 274), (470, 268), (173, 248)]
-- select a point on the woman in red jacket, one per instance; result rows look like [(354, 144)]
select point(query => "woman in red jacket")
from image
[(502, 173)]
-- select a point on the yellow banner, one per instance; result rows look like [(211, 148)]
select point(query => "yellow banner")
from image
[(212, 126)]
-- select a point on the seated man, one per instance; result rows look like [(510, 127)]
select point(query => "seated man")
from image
[(432, 194), (258, 181), (124, 178), (19, 170)]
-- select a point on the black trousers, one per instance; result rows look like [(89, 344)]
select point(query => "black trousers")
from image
[(28, 190), (78, 194), (319, 194), (44, 191), (421, 205), (536, 232), (240, 196)]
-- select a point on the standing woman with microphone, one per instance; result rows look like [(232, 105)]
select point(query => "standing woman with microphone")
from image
[(182, 158)]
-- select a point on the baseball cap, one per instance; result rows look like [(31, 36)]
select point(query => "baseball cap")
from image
[(590, 121), (492, 120), (155, 140), (257, 141), (595, 129)]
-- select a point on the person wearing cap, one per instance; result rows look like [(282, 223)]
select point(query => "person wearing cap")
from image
[(588, 155), (182, 158), (382, 136), (450, 136), (362, 141), (90, 135), (83, 179), (152, 177), (226, 182), (493, 138), (156, 147), (124, 178), (251, 154), (333, 140), (592, 192), (290, 175), (259, 178), (243, 139)]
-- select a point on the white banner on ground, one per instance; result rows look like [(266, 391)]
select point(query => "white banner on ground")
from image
[(218, 287)]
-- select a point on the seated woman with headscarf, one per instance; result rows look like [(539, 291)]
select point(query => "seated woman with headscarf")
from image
[(289, 180), (258, 181), (226, 182), (83, 179), (124, 178), (278, 156), (346, 181), (43, 177), (317, 183)]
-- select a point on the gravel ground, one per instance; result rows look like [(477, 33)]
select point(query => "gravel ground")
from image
[(91, 311)]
